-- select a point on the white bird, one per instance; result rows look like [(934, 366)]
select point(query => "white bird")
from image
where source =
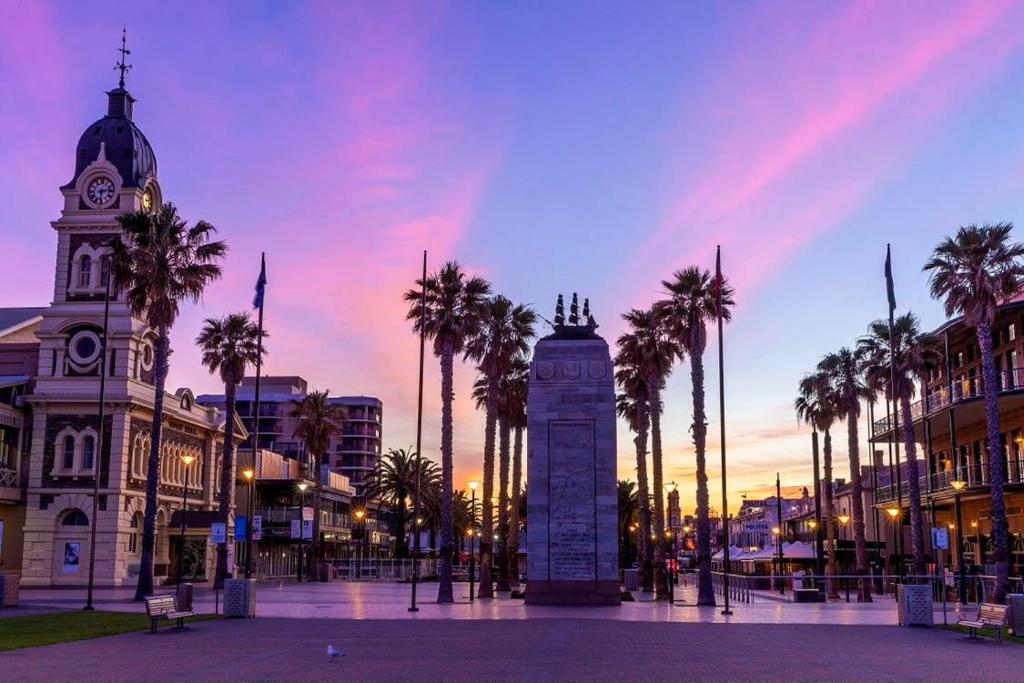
[(334, 653)]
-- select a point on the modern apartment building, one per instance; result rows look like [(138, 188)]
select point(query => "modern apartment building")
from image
[(354, 453)]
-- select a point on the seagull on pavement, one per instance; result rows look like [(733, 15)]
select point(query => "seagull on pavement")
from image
[(334, 652)]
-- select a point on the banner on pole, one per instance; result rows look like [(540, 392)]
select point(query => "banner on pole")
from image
[(257, 528), (218, 532)]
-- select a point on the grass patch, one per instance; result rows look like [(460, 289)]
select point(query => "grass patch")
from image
[(984, 633), (64, 627)]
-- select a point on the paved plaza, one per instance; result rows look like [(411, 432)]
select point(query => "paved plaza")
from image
[(504, 640)]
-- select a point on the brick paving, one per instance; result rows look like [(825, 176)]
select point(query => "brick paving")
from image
[(554, 649)]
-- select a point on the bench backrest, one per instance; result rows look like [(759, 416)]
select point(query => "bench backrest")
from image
[(159, 604), (992, 613)]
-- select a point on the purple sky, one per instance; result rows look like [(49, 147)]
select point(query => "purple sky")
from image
[(551, 147)]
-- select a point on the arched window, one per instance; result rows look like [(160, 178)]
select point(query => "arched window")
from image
[(133, 536), (84, 270), (75, 518), (104, 270), (88, 451), (68, 453)]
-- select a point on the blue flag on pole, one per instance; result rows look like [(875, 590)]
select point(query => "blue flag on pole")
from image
[(261, 283)]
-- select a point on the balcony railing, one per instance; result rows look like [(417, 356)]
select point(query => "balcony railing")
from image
[(941, 482), (963, 390)]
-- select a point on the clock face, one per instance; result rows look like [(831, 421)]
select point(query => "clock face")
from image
[(147, 200), (101, 190)]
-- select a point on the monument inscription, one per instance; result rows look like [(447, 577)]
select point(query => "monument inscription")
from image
[(573, 537)]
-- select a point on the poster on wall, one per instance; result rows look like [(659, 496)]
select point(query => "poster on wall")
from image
[(72, 557)]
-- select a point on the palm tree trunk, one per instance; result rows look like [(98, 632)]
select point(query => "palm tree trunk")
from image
[(161, 358), (504, 439), (513, 524), (705, 591), (316, 547), (444, 572), (486, 509), (913, 488), (996, 465), (660, 524), (857, 502), (644, 536), (227, 474), (830, 518)]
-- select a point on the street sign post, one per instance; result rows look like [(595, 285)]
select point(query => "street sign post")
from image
[(218, 532)]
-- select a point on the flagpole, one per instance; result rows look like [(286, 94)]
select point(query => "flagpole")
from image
[(419, 439), (256, 414), (895, 405), (97, 456), (721, 418)]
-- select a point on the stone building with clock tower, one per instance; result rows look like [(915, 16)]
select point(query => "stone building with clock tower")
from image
[(115, 171)]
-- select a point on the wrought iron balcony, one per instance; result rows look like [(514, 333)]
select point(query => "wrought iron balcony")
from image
[(964, 390), (975, 475)]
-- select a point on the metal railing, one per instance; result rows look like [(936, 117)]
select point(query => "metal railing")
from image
[(740, 589), (975, 474), (964, 389)]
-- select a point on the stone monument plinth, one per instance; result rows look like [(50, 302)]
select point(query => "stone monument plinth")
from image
[(572, 516)]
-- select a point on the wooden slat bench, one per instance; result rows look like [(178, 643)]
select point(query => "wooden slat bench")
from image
[(164, 607), (989, 616)]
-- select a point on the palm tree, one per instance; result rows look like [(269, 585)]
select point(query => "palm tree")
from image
[(504, 333), (693, 296), (318, 422), (454, 308), (843, 372), (973, 273), (393, 482), (652, 351), (815, 407), (516, 388), (628, 510), (157, 262), (229, 345), (917, 354), (631, 405)]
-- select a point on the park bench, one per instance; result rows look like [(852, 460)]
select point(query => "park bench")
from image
[(989, 616), (164, 607)]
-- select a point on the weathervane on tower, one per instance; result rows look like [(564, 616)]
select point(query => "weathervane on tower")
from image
[(124, 53)]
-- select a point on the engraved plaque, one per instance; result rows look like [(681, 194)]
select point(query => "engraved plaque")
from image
[(571, 494)]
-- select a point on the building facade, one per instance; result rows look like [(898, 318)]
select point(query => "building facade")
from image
[(951, 432), (57, 399), (353, 454)]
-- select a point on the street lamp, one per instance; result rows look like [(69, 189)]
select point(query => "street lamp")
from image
[(250, 476), (894, 513), (187, 459), (360, 516), (302, 486), (958, 486), (777, 532), (472, 515), (844, 520)]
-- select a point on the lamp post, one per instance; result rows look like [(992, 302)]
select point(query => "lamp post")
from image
[(472, 527), (187, 460), (250, 478), (894, 513), (958, 486), (670, 488), (302, 486), (360, 516), (844, 520), (777, 533)]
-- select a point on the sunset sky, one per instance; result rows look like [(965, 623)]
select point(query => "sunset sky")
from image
[(551, 147)]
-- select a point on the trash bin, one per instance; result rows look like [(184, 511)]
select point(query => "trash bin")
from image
[(9, 586), (240, 598), (915, 605), (631, 579), (183, 596), (1016, 603)]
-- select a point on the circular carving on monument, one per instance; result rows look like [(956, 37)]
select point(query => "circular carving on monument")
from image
[(597, 369), (545, 370), (571, 369)]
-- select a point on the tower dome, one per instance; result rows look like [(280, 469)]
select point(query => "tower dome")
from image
[(126, 147)]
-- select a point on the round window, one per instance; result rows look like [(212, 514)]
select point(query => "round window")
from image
[(84, 347)]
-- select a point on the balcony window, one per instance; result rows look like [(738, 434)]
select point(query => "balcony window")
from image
[(1011, 332)]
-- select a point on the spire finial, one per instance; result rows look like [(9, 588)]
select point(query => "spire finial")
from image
[(124, 53)]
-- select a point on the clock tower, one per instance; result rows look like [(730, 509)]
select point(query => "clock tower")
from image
[(115, 172)]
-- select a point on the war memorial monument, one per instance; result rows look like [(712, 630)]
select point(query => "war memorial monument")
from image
[(571, 496)]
